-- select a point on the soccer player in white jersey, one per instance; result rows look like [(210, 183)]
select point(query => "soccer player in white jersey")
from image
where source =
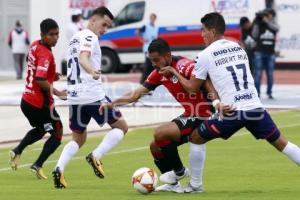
[(85, 96), (227, 65)]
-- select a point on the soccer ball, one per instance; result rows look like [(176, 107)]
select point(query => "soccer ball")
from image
[(144, 180)]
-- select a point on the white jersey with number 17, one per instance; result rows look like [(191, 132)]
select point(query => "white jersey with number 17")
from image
[(227, 65), (82, 88)]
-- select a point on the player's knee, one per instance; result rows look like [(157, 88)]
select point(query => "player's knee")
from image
[(125, 129), (123, 126), (159, 134), (196, 138), (278, 141), (79, 141), (153, 147)]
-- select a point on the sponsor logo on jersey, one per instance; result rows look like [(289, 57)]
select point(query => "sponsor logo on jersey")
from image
[(89, 38), (46, 64), (229, 50), (245, 96), (87, 45), (74, 41), (174, 79), (73, 93)]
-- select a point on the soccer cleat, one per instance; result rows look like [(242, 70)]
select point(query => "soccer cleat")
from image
[(171, 178), (170, 188), (14, 159), (59, 179), (190, 189), (96, 165), (38, 171)]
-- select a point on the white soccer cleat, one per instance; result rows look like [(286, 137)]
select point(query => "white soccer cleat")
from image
[(171, 178), (170, 188), (190, 189)]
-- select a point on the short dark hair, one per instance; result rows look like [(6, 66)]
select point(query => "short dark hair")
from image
[(243, 21), (101, 11), (160, 46), (47, 24), (215, 21)]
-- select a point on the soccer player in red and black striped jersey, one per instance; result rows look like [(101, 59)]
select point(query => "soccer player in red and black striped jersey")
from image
[(170, 135), (37, 102)]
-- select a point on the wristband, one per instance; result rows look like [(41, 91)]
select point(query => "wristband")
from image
[(215, 102)]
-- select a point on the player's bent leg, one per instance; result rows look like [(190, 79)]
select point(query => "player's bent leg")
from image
[(291, 150), (169, 149), (267, 129), (166, 137), (159, 158), (49, 148), (120, 124), (79, 137), (31, 137), (168, 131), (110, 140), (69, 151), (279, 142)]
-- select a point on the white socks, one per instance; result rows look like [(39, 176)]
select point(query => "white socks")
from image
[(111, 139), (67, 154), (197, 159), (293, 152)]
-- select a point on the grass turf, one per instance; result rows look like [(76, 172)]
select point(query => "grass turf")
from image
[(240, 168)]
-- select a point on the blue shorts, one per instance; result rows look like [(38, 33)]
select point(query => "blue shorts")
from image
[(257, 121), (80, 115)]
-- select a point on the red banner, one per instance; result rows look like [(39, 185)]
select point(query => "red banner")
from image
[(87, 4)]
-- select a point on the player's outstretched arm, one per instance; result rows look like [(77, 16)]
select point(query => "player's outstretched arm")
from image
[(130, 97)]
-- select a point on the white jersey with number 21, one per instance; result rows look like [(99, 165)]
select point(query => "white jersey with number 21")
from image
[(227, 65), (82, 88)]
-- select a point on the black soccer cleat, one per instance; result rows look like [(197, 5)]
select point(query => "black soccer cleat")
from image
[(96, 165), (59, 179)]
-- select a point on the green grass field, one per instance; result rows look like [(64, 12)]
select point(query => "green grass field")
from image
[(240, 168)]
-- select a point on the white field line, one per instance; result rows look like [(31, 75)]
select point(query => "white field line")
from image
[(81, 157), (133, 149)]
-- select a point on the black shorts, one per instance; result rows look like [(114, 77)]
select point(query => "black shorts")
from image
[(80, 115), (186, 126), (41, 118)]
